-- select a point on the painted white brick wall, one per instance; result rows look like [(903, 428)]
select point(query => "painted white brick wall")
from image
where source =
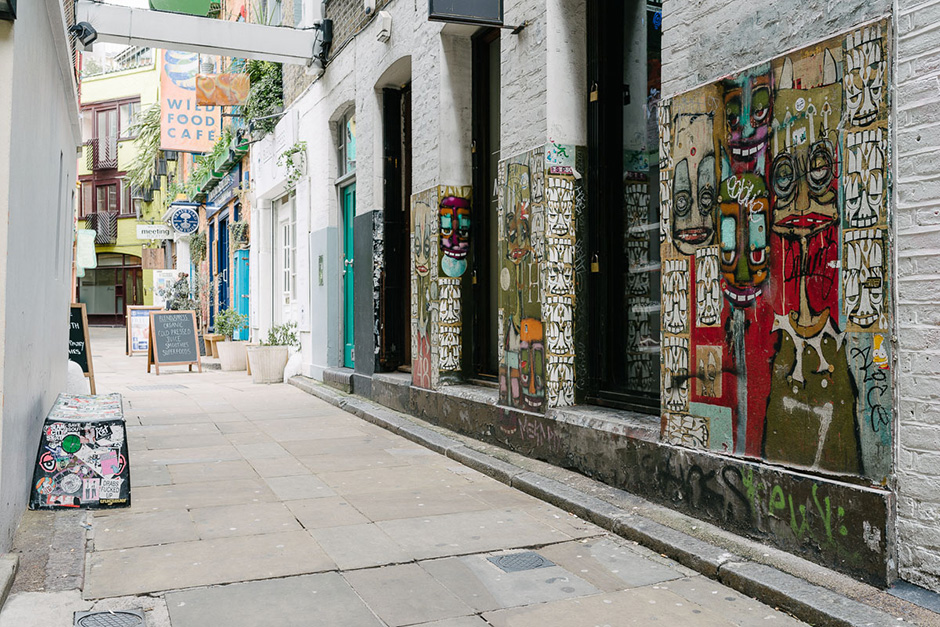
[(707, 39), (524, 84), (918, 286)]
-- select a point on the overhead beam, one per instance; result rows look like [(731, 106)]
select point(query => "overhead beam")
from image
[(187, 33)]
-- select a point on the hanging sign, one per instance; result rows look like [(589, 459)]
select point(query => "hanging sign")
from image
[(466, 11), (153, 231), (221, 89), (184, 125), (185, 219)]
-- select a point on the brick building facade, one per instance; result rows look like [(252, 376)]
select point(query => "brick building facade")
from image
[(693, 262)]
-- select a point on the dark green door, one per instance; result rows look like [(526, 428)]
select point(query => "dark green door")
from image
[(349, 214)]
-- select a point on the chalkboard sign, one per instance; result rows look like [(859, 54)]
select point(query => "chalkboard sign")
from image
[(173, 340), (79, 345), (138, 328)]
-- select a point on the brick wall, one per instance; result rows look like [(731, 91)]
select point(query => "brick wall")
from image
[(707, 39), (918, 244)]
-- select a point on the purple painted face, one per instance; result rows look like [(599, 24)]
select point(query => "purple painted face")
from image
[(748, 101), (455, 227)]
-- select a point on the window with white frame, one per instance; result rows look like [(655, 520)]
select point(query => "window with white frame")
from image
[(287, 226)]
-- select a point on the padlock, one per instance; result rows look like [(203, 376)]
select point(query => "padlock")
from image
[(595, 264), (594, 95), (473, 277)]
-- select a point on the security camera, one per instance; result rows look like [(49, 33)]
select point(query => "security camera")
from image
[(85, 33)]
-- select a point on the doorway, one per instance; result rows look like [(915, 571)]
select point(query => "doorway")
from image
[(624, 41), (348, 199), (395, 305), (223, 300), (110, 288), (484, 242)]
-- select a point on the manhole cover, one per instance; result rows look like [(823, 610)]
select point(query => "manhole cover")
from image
[(147, 388), (122, 618), (516, 562)]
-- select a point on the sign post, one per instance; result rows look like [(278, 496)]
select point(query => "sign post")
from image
[(79, 344), (138, 328), (173, 340)]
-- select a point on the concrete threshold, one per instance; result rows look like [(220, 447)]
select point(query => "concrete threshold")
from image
[(8, 565), (806, 590)]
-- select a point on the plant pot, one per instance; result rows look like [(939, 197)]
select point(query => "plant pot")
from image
[(232, 355), (267, 363)]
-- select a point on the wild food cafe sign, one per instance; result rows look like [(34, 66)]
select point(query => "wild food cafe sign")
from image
[(184, 125)]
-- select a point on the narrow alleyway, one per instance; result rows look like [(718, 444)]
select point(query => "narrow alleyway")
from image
[(262, 505)]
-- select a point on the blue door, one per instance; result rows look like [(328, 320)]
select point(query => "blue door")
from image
[(223, 264), (241, 289)]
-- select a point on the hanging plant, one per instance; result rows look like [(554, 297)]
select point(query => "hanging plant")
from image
[(265, 97), (197, 247), (295, 160), (238, 234), (146, 132)]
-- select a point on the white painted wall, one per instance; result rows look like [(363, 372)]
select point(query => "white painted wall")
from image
[(917, 191), (39, 134)]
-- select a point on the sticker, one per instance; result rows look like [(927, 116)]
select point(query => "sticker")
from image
[(71, 483), (110, 489), (110, 465), (800, 104), (47, 462), (71, 443), (45, 486), (90, 489)]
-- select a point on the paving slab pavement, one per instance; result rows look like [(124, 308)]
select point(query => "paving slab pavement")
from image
[(258, 505)]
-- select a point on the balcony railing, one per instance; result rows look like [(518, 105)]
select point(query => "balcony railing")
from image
[(104, 225), (102, 153)]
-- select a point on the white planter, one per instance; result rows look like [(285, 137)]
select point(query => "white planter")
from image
[(232, 355), (267, 363)]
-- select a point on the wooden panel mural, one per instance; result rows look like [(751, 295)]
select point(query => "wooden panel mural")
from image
[(775, 299), (540, 202), (440, 246)]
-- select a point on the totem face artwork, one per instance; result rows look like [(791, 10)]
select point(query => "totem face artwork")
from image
[(748, 99), (805, 171), (455, 235), (694, 184), (776, 259)]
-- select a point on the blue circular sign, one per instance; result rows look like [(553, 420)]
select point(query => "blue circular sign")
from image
[(185, 220)]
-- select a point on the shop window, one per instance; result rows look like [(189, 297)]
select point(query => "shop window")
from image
[(347, 144), (623, 203)]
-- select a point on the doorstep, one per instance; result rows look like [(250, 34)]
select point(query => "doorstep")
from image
[(813, 593)]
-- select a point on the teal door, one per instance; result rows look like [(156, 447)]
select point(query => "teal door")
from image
[(241, 289), (349, 214)]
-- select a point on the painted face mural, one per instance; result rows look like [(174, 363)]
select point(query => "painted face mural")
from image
[(675, 295), (516, 221), (864, 78), (694, 183), (707, 288), (455, 235), (865, 178), (422, 239), (804, 175), (744, 249), (748, 102), (531, 364), (863, 277), (676, 373)]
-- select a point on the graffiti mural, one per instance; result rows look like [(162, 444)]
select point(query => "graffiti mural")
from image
[(776, 260), (440, 245), (538, 197)]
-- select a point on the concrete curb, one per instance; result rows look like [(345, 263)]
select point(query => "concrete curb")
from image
[(806, 601), (8, 565)]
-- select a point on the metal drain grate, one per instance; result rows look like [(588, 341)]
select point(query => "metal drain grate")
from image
[(159, 386), (122, 618), (517, 562)]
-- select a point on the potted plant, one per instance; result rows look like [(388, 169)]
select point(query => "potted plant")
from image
[(231, 352), (270, 356)]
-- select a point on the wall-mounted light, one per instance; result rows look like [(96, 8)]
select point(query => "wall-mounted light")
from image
[(8, 10), (84, 32)]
